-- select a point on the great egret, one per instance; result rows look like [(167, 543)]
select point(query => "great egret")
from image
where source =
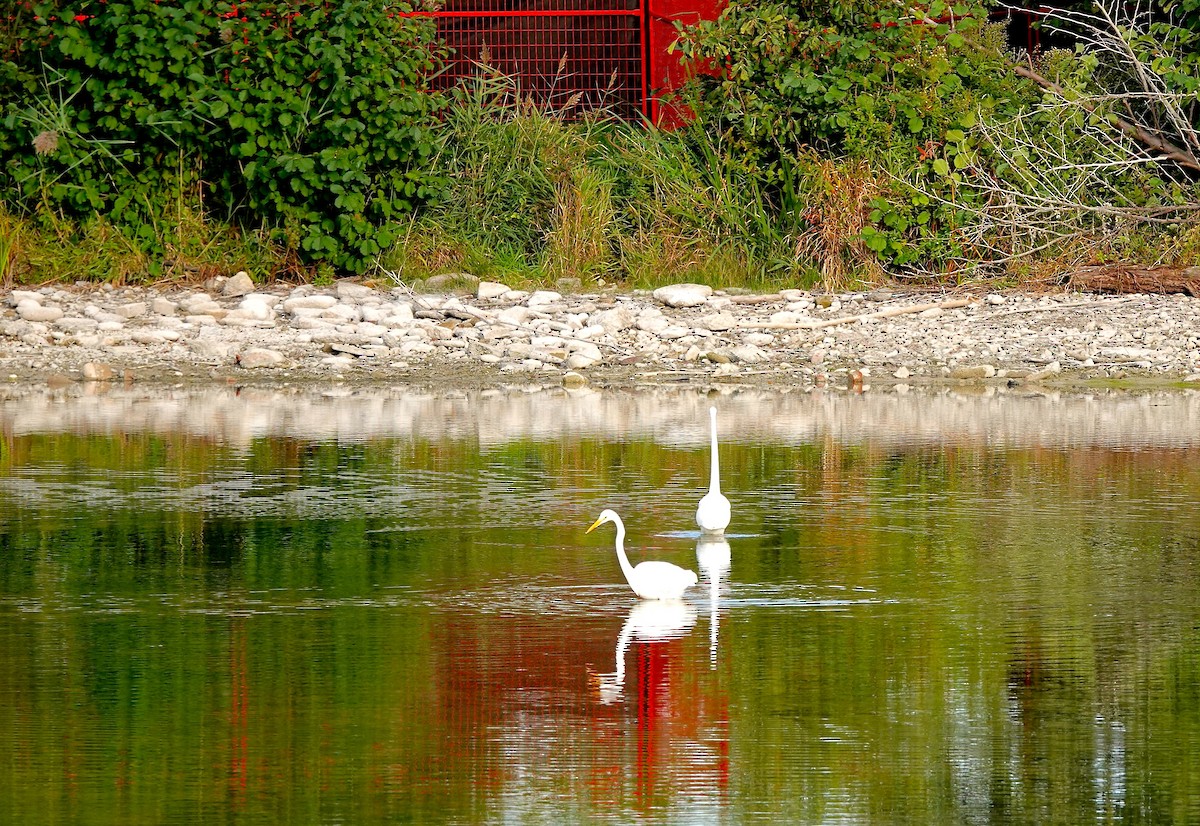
[(713, 513), (649, 580)]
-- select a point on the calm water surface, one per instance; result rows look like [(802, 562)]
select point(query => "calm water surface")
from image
[(354, 607)]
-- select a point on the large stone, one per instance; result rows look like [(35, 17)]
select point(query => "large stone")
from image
[(717, 322), (239, 284), (514, 315), (747, 354), (308, 302), (31, 310), (490, 289), (354, 293), (615, 320), (652, 323), (163, 306), (258, 357), (133, 309), (683, 295), (17, 296), (543, 297)]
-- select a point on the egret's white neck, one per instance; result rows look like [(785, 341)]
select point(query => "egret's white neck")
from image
[(626, 568), (714, 478)]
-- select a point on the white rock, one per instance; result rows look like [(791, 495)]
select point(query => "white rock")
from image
[(717, 322), (76, 323), (748, 354), (902, 372), (514, 315), (308, 302), (257, 357), (210, 348), (585, 349), (760, 339), (785, 317), (996, 298), (615, 320), (673, 332), (401, 314), (542, 297), (155, 336), (342, 312), (131, 310), (490, 289), (163, 306), (31, 310), (239, 284), (683, 295), (652, 323), (353, 293), (579, 361), (17, 296)]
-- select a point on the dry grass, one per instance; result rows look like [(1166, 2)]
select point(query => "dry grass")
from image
[(839, 198)]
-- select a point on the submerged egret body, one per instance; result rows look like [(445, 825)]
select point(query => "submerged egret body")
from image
[(649, 580), (713, 513)]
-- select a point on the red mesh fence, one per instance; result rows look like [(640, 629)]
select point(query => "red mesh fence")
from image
[(566, 55)]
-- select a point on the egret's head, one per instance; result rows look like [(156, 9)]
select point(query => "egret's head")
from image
[(605, 516)]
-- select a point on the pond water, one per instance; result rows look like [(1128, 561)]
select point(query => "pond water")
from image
[(241, 607)]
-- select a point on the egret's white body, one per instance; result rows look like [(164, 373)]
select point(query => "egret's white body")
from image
[(713, 556), (713, 513), (649, 580), (649, 622)]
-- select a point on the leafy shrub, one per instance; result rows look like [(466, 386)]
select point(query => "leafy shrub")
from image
[(898, 88), (312, 118)]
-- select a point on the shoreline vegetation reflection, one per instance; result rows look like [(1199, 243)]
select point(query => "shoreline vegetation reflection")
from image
[(929, 607)]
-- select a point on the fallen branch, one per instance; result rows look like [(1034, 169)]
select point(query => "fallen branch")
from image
[(949, 304), (1176, 153), (1125, 278)]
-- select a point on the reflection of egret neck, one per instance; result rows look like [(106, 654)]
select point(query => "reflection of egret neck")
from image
[(713, 557), (714, 478), (650, 621)]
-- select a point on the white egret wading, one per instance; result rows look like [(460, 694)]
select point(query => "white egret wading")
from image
[(649, 580), (713, 513)]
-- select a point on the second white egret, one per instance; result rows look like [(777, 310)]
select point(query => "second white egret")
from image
[(649, 580), (713, 513)]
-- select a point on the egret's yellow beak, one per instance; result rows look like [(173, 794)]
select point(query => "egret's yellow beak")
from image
[(595, 525)]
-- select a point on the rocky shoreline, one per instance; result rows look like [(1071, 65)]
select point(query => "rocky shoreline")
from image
[(462, 332)]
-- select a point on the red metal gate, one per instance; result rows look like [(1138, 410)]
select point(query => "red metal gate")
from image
[(572, 56)]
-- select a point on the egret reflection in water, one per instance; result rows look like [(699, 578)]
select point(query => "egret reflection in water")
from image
[(714, 557), (652, 622)]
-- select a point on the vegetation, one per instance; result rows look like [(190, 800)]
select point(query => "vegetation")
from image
[(840, 144)]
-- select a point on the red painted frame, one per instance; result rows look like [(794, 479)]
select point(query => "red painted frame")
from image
[(612, 55)]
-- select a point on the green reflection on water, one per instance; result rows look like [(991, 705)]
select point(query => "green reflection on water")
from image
[(403, 629)]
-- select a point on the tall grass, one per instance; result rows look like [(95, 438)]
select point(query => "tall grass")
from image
[(534, 197)]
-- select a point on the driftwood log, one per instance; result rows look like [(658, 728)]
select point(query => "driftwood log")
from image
[(1128, 278)]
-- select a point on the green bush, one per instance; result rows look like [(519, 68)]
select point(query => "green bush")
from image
[(898, 88), (314, 119)]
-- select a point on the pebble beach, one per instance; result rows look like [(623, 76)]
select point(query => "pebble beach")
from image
[(480, 332)]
